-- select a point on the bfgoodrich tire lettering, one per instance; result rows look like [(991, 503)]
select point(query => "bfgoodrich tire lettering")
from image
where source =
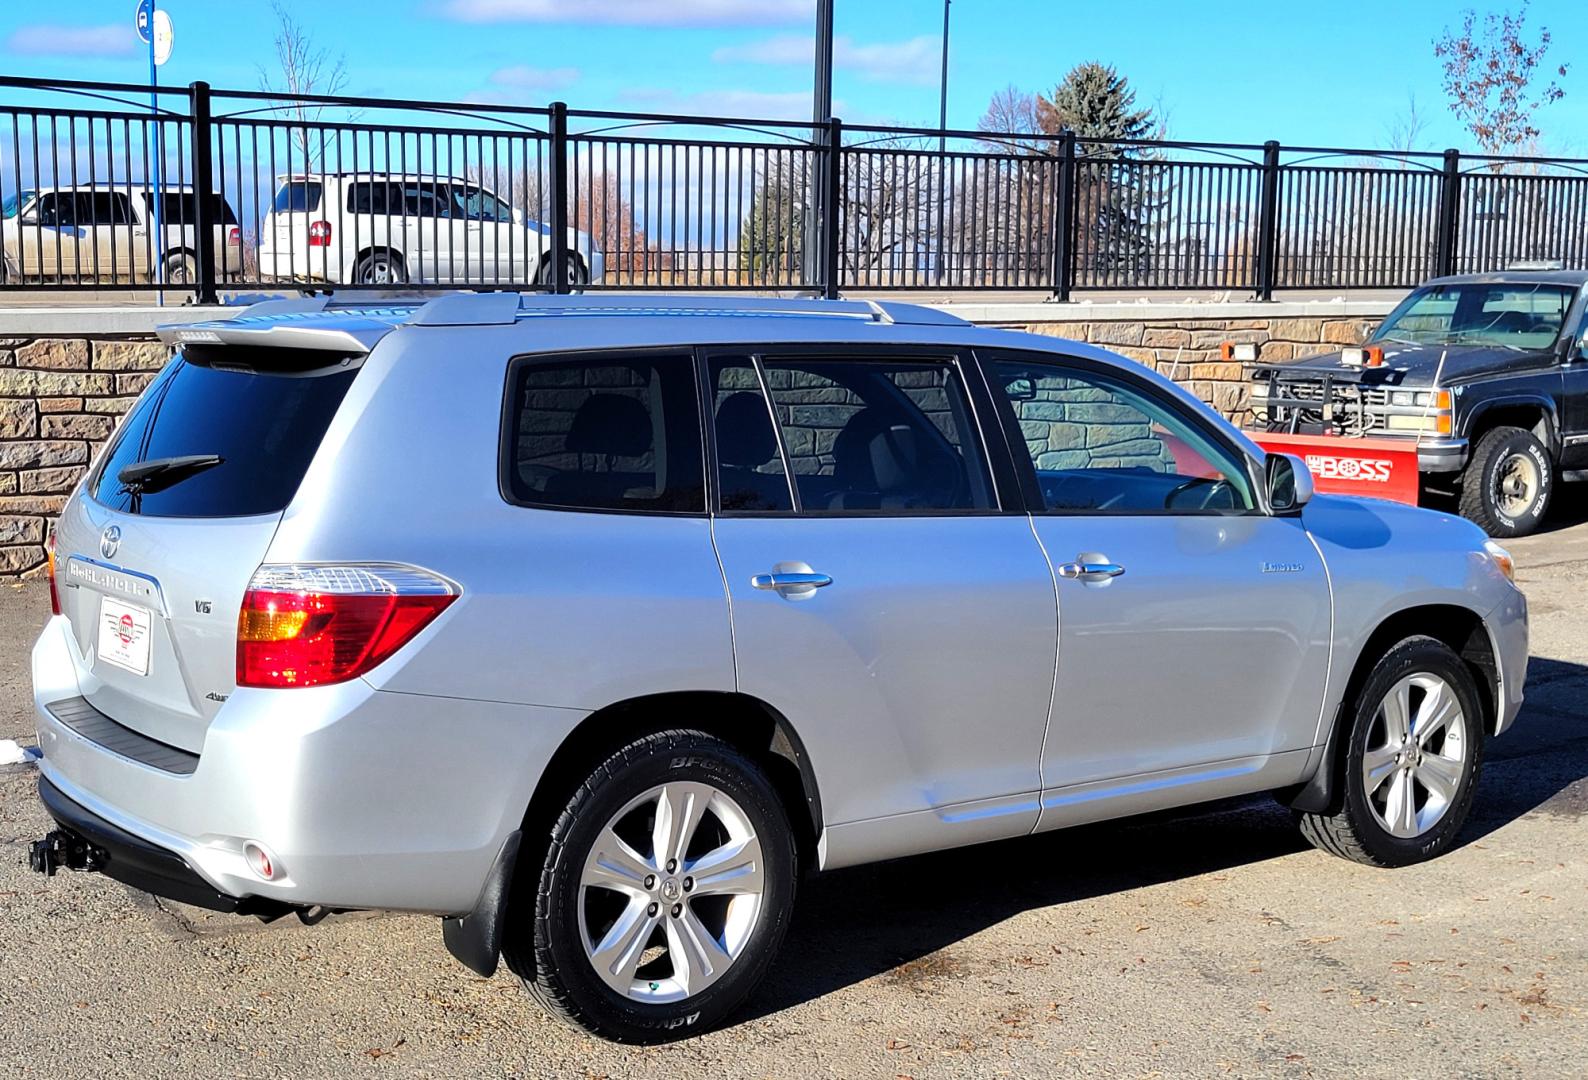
[(1405, 793), (1507, 485), (607, 870)]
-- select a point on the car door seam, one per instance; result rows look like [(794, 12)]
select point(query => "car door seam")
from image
[(1053, 686)]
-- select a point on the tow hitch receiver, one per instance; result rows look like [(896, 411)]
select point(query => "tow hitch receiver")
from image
[(63, 849)]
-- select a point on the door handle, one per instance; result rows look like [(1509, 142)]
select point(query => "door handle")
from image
[(1091, 568), (784, 580)]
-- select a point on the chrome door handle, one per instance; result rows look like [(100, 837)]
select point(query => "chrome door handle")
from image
[(790, 581), (1090, 571)]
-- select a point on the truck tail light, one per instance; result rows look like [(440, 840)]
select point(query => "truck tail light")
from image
[(234, 236), (49, 562), (313, 624), (319, 234)]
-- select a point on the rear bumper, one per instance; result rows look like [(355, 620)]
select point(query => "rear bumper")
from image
[(132, 860), (365, 798)]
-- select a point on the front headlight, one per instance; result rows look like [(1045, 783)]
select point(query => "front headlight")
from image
[(1501, 558)]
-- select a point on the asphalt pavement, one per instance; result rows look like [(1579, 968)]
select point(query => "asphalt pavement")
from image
[(1206, 943)]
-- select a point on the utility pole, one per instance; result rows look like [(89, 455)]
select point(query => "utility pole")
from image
[(821, 114)]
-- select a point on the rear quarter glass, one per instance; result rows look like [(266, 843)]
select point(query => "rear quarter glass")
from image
[(265, 425)]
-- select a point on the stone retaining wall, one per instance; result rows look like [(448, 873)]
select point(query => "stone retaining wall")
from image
[(60, 399), (1187, 350), (61, 393)]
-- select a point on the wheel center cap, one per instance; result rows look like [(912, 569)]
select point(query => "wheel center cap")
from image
[(671, 889)]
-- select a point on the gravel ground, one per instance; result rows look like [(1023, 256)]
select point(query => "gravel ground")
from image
[(1203, 944)]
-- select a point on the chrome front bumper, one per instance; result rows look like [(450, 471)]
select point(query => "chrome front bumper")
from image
[(1441, 455)]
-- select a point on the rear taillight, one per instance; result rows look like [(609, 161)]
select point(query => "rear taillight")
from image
[(49, 561), (319, 234), (234, 235), (311, 624)]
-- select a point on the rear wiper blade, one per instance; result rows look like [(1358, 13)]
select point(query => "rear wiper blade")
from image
[(156, 474)]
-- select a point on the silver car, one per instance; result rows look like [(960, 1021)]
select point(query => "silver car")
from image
[(589, 625)]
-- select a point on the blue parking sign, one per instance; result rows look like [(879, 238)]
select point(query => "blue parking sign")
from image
[(143, 21)]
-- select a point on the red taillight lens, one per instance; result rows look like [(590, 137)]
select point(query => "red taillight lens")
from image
[(319, 234), (234, 235), (311, 625), (49, 561)]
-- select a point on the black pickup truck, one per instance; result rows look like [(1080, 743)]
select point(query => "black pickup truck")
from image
[(1487, 374)]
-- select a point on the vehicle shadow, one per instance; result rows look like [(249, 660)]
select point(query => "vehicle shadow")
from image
[(852, 925)]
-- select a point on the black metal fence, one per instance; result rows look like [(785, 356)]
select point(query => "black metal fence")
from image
[(111, 185)]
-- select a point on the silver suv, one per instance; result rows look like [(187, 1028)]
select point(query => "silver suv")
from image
[(589, 625)]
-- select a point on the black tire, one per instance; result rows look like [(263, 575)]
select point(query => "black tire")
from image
[(180, 269), (1500, 458), (577, 274), (544, 941), (381, 268), (1354, 830)]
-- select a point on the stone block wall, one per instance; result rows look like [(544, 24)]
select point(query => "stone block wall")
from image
[(1187, 349), (60, 399)]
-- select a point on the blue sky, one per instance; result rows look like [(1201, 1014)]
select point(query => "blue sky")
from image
[(1320, 74)]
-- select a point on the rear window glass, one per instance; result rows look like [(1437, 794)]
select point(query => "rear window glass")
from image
[(606, 434), (181, 208), (298, 196), (265, 428)]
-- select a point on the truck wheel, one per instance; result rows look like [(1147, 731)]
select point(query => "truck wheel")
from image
[(665, 891), (1507, 485), (1412, 755)]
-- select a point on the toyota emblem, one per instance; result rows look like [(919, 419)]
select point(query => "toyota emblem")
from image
[(109, 541)]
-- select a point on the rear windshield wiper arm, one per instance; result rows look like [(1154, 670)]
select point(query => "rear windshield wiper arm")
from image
[(157, 474)]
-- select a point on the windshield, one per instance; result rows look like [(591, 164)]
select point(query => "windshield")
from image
[(1507, 315), (13, 204)]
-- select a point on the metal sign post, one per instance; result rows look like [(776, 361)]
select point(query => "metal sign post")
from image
[(154, 29)]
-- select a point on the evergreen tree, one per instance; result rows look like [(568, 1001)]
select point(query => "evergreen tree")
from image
[(1117, 188)]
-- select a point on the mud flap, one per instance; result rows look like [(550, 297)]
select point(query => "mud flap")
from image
[(475, 939)]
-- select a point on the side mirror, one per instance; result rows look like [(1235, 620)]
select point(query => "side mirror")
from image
[(37, 218), (1021, 388), (1290, 484)]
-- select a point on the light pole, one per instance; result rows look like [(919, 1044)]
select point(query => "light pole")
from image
[(821, 114), (942, 94)]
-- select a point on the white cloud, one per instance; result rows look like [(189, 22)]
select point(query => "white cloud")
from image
[(913, 61), (524, 77), (115, 40), (633, 12)]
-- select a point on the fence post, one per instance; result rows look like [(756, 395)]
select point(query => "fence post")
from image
[(559, 197), (1268, 223), (1064, 219), (832, 199), (204, 223), (1449, 215)]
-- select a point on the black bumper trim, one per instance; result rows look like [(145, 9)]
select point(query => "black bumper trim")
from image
[(81, 716), (145, 866)]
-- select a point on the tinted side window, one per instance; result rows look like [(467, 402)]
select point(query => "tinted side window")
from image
[(606, 434), (181, 208), (1102, 445), (102, 208), (264, 427), (878, 436), (298, 196), (368, 198)]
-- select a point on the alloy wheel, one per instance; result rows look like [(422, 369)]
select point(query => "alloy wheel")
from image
[(1416, 755), (671, 892)]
